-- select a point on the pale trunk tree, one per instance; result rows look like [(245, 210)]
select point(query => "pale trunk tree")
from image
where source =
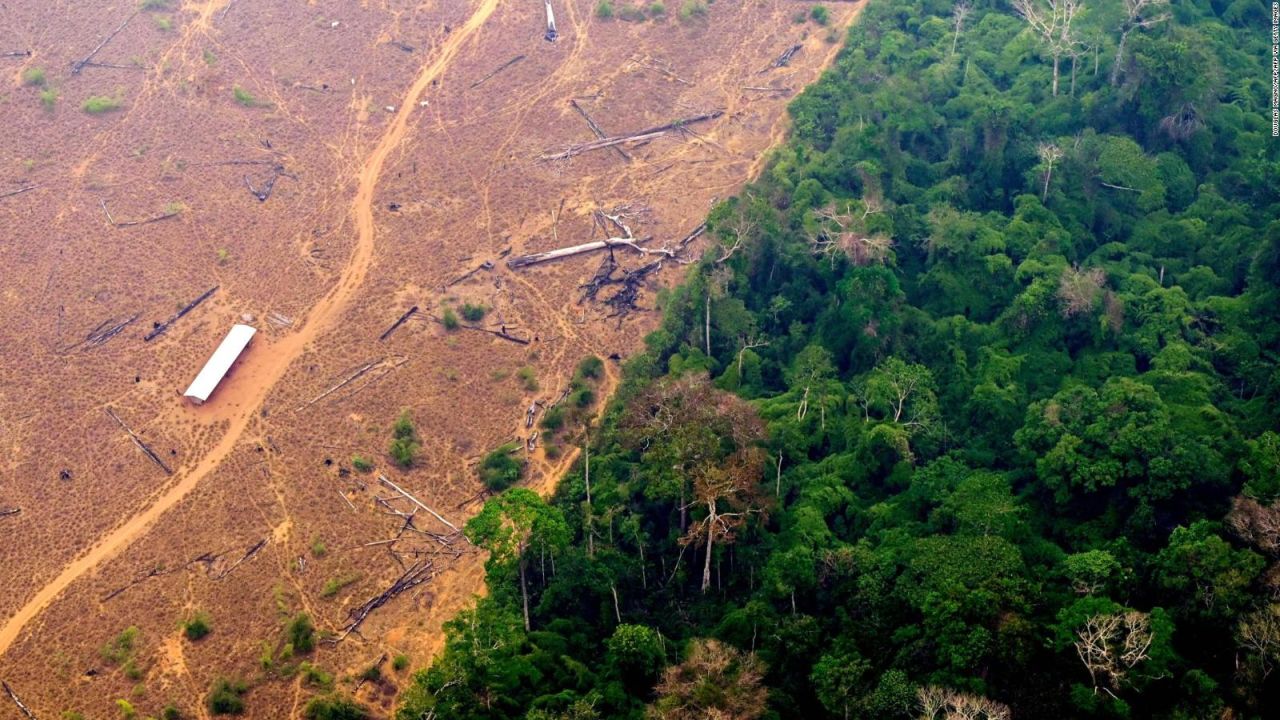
[(1111, 645), (958, 15), (1049, 154), (1051, 20), (1139, 15)]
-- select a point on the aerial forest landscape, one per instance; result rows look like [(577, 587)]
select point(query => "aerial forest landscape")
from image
[(652, 360)]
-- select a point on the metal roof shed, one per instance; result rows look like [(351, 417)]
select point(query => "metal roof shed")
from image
[(219, 363)]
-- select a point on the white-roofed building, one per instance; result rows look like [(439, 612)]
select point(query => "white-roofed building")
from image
[(219, 363)]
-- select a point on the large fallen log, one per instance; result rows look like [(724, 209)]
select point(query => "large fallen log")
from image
[(26, 711), (146, 449), (639, 136), (415, 575), (408, 314), (561, 253), (248, 555), (393, 362), (383, 479), (79, 65), (786, 56), (6, 512), (596, 129), (174, 211), (19, 191), (499, 69), (160, 328)]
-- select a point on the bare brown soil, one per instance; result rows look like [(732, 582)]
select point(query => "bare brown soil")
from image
[(403, 174)]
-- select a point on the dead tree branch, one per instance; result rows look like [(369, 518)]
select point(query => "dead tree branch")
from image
[(383, 479), (19, 191), (360, 372), (785, 58), (160, 328), (79, 65), (6, 512), (248, 555), (596, 129), (146, 449), (415, 575), (168, 213)]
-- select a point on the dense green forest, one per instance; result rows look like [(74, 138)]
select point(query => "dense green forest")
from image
[(970, 412)]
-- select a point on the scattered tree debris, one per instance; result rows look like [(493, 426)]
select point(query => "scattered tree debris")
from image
[(19, 191), (767, 89), (785, 58), (17, 53), (248, 555), (6, 512), (277, 172), (26, 711), (417, 573), (402, 46), (206, 559), (486, 265), (596, 129), (79, 65), (138, 441), (102, 333), (280, 321), (116, 66), (160, 328), (408, 314), (627, 239), (497, 70), (173, 210), (365, 676), (662, 70), (647, 134)]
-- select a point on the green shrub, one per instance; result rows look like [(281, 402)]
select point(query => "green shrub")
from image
[(552, 451), (400, 662), (302, 633), (152, 5), (334, 708), (820, 14), (591, 367), (582, 397), (98, 104), (313, 675), (335, 585), (372, 674), (361, 463), (528, 378), (449, 319), (498, 470), (404, 442), (691, 9), (227, 697), (553, 419), (164, 23), (121, 647), (604, 10), (318, 548), (126, 709), (473, 313), (244, 97), (48, 98), (657, 9), (197, 627), (170, 712), (209, 58), (33, 76)]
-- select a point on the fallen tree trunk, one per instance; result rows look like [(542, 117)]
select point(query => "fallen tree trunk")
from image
[(536, 258), (79, 65), (596, 129), (26, 711), (6, 512), (160, 328), (146, 449), (130, 223), (19, 191), (647, 134), (248, 555), (383, 479), (408, 314), (499, 69), (417, 574)]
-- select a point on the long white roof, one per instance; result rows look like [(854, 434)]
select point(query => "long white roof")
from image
[(232, 345)]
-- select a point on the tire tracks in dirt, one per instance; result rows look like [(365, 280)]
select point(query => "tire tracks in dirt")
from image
[(269, 364)]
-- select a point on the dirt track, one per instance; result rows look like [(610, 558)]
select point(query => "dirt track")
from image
[(249, 462)]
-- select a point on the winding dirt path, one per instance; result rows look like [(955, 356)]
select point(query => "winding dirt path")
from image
[(265, 367)]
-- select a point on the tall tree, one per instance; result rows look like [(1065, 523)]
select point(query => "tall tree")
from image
[(1139, 15), (509, 525), (1051, 20)]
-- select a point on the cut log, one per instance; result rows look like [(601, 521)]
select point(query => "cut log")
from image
[(408, 314), (19, 191), (383, 479), (248, 555), (26, 711), (415, 575), (642, 135), (786, 56), (536, 258), (596, 129), (160, 328), (499, 69), (6, 512), (79, 65), (146, 449), (130, 223)]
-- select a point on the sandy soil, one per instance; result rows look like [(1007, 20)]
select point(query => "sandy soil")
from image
[(407, 164)]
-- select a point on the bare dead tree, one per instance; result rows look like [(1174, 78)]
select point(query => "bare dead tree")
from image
[(1256, 524), (1049, 154), (1112, 644), (1051, 20), (1139, 15), (1258, 633), (939, 703), (843, 232), (1080, 290)]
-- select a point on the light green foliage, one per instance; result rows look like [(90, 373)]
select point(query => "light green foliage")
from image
[(604, 10), (99, 104), (33, 76), (820, 14), (400, 663), (244, 97), (333, 586), (301, 634), (449, 319), (49, 98), (361, 463), (334, 707)]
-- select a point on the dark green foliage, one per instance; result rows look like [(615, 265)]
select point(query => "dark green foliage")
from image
[(498, 470), (301, 634), (472, 313), (1017, 358), (400, 662), (170, 712), (334, 708), (197, 627), (449, 319), (361, 463), (227, 697), (404, 441)]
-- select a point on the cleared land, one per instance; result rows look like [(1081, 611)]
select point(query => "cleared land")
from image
[(398, 149)]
